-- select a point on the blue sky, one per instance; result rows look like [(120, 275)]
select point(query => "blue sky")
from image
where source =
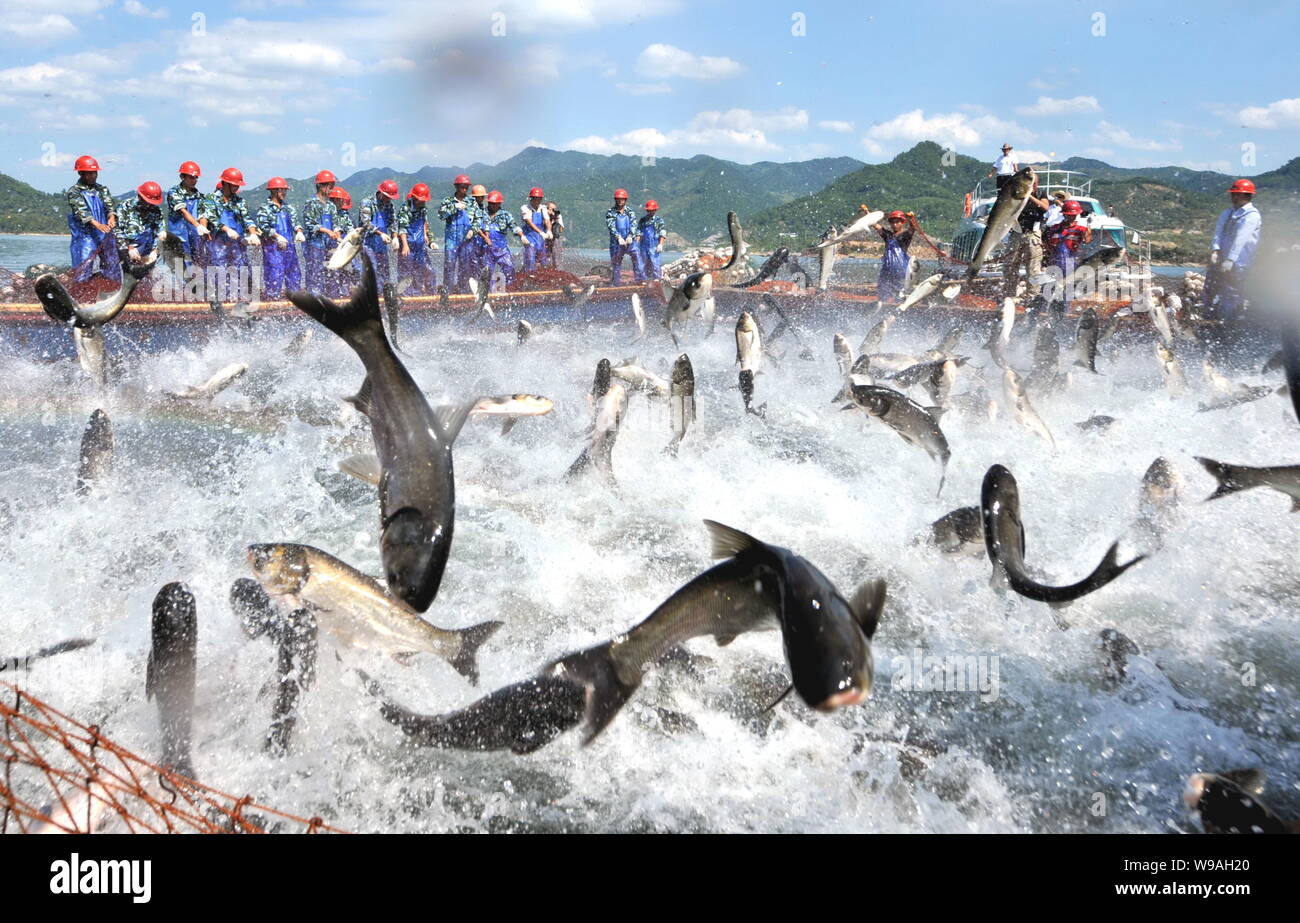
[(286, 87)]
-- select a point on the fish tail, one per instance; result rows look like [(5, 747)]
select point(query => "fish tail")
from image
[(471, 639), (356, 322), (1227, 476), (580, 464), (606, 693)]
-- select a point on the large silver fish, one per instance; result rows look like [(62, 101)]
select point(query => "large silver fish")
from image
[(1234, 478), (914, 423), (922, 291), (693, 297), (681, 400), (1006, 211), (96, 458), (1014, 389), (169, 674), (599, 452)]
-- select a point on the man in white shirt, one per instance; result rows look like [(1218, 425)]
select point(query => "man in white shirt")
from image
[(1004, 167), (1236, 238), (1054, 214)]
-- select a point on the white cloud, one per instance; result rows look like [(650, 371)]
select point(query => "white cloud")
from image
[(137, 121), (1047, 106), (1219, 166), (1112, 134), (956, 129), (873, 147), (836, 126), (644, 89), (1039, 84), (738, 133), (1031, 156), (396, 63), (136, 8), (49, 27), (664, 61), (1285, 113), (787, 119), (254, 127)]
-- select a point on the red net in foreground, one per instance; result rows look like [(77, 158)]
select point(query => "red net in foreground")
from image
[(61, 776)]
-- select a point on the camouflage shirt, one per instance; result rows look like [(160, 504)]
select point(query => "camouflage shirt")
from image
[(502, 221), (447, 208), (77, 203), (269, 212), (412, 210), (653, 221), (311, 220), (343, 220), (136, 218), (369, 206), (612, 216), (215, 203), (178, 194)]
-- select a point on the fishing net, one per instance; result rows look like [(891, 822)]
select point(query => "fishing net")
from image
[(62, 776)]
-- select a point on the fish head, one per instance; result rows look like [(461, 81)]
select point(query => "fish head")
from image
[(282, 569), (413, 556), (745, 324), (1161, 474), (249, 601), (697, 286), (1022, 183), (828, 653), (871, 398), (174, 614), (601, 383), (1000, 509), (683, 373)]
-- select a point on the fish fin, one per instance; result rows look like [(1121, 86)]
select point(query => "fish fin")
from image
[(451, 417), (724, 639), (843, 394), (580, 464), (508, 424), (404, 657), (362, 467), (362, 401), (1056, 608), (55, 299), (1227, 483), (606, 693), (867, 603), (779, 699), (471, 639), (358, 320), (936, 411), (1295, 504), (727, 542)]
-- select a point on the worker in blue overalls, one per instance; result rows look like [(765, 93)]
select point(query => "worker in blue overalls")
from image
[(471, 255), (493, 227), (137, 234), (318, 220), (622, 235), (379, 225), (456, 211), (279, 223), (537, 228), (91, 220), (184, 203), (413, 227), (894, 264), (650, 233), (231, 230)]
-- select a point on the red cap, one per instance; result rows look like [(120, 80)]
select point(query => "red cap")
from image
[(151, 192), (189, 168), (86, 163), (1071, 207), (347, 199), (389, 188), (419, 192), (536, 193), (495, 196), (1243, 186), (325, 176), (277, 182), (338, 192), (620, 193), (233, 176), (651, 205), (897, 214), (461, 180)]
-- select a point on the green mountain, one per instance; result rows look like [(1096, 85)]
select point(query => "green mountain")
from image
[(695, 194), (24, 208)]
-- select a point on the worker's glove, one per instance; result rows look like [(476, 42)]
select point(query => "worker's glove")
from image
[(547, 235), (1214, 257), (1226, 265), (202, 231), (300, 237), (252, 240), (231, 233), (461, 204), (659, 247), (134, 254), (281, 242)]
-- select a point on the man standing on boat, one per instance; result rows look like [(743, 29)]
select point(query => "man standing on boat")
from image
[(456, 211), (141, 221), (1064, 240), (650, 232), (1004, 167), (413, 226), (1026, 244), (537, 229), (184, 203), (557, 231), (280, 272), (494, 227), (319, 217), (379, 225), (622, 236), (894, 264), (1236, 237), (91, 219)]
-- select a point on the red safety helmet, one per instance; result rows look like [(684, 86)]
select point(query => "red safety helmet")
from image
[(495, 196), (536, 193), (151, 192), (347, 200), (325, 176), (233, 176), (620, 193), (217, 187), (461, 180), (651, 205), (897, 214), (277, 182), (419, 192), (1071, 207), (338, 192), (189, 168), (389, 188), (87, 164), (1243, 186)]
